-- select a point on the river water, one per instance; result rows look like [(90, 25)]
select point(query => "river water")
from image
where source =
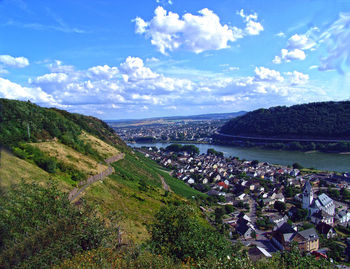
[(318, 160)]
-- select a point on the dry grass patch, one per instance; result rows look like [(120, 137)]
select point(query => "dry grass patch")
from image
[(69, 156), (104, 149), (13, 169)]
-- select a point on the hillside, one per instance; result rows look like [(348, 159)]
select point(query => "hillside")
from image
[(323, 120), (126, 218)]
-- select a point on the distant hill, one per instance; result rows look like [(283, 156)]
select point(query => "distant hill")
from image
[(167, 120), (322, 120)]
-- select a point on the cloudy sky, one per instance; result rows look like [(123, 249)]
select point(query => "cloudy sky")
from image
[(146, 58)]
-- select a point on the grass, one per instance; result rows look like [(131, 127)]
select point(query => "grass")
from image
[(68, 155), (102, 148), (176, 185), (13, 169), (181, 188)]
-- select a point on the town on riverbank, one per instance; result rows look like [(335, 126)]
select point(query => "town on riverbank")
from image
[(265, 206)]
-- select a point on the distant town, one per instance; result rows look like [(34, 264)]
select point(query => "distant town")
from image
[(194, 131), (270, 207)]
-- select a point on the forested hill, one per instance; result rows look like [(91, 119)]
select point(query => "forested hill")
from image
[(25, 121), (323, 120)]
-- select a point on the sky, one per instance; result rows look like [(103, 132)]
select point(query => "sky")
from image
[(118, 59)]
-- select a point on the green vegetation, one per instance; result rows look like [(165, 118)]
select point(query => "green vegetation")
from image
[(324, 120), (178, 232), (181, 188), (214, 152), (39, 227), (190, 149)]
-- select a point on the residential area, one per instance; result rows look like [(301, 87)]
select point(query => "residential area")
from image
[(199, 131), (267, 207)]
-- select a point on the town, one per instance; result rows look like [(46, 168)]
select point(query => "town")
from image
[(263, 206), (194, 131)]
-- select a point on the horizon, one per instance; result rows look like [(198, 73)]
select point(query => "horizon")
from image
[(163, 58)]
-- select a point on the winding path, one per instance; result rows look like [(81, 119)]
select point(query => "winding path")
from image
[(100, 176)]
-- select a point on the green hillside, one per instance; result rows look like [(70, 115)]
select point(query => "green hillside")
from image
[(123, 219), (324, 120)]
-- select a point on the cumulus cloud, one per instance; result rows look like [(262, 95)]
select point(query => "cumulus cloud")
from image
[(265, 74), (337, 38), (133, 69), (253, 27), (11, 90), (196, 33), (133, 85), (102, 72), (15, 62), (296, 47), (297, 78)]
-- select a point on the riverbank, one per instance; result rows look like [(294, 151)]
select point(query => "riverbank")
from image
[(318, 160)]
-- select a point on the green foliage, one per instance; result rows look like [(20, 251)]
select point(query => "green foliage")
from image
[(191, 149), (280, 206), (179, 233), (313, 120), (28, 152), (229, 209), (214, 152), (27, 122), (219, 213), (297, 166), (264, 223), (39, 227)]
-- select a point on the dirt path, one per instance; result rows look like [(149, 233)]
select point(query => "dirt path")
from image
[(86, 183)]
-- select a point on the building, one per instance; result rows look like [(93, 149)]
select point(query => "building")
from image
[(313, 205), (326, 230), (284, 236)]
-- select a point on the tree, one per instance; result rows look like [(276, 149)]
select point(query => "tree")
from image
[(254, 162), (219, 212), (297, 166), (253, 234), (280, 206), (179, 233)]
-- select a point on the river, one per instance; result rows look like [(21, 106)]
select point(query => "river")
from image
[(318, 160)]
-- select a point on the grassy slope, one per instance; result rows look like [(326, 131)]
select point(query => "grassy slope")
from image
[(13, 169), (123, 192), (68, 155), (102, 148), (176, 185)]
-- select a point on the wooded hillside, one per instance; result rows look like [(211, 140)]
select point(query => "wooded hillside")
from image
[(323, 120)]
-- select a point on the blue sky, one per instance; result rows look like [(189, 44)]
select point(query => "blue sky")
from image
[(137, 59)]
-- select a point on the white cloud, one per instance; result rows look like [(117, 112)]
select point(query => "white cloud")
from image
[(301, 42), (134, 85), (265, 74), (252, 26), (16, 62), (280, 34), (102, 72), (196, 33), (133, 69), (337, 38), (296, 47), (13, 90), (297, 78)]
